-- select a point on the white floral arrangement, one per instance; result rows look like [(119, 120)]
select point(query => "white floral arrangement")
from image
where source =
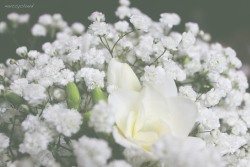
[(130, 94)]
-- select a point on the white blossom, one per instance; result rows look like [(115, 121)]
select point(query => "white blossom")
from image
[(22, 51), (92, 77), (170, 19), (102, 118), (38, 30), (94, 57), (118, 163), (140, 22), (35, 94), (97, 17), (91, 152), (122, 26), (78, 28), (4, 140), (3, 27), (66, 121)]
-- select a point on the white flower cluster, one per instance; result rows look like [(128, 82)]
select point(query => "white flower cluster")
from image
[(53, 102)]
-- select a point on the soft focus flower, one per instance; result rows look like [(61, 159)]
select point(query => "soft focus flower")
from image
[(91, 152), (143, 114), (38, 30)]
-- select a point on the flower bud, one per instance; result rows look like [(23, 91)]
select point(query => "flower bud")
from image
[(10, 62), (58, 94), (97, 95), (24, 108), (22, 51), (73, 96)]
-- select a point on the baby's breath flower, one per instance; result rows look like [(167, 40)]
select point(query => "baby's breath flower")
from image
[(38, 30), (97, 17), (170, 19), (22, 51), (140, 22), (91, 152)]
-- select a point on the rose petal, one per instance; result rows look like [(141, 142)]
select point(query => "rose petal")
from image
[(122, 76), (183, 113)]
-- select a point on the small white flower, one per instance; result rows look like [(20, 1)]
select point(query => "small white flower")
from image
[(213, 97), (38, 30), (3, 27), (123, 11), (118, 163), (23, 18), (19, 85), (13, 17), (92, 77), (35, 94), (91, 152), (66, 121), (102, 118), (22, 51), (78, 28), (235, 61), (4, 140), (187, 91), (124, 2), (122, 26), (99, 28), (94, 57), (45, 20), (188, 40), (216, 62), (171, 42), (176, 152), (140, 22), (192, 27), (170, 19), (97, 17), (33, 54)]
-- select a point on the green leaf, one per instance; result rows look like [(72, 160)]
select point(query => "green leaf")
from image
[(14, 99), (73, 96)]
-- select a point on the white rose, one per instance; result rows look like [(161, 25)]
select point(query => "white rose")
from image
[(145, 113)]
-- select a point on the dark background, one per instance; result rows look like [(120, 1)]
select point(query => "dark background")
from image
[(228, 21)]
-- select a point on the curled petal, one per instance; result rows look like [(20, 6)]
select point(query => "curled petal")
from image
[(122, 76)]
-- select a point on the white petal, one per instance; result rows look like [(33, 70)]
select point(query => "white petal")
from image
[(120, 139), (153, 114), (122, 76), (166, 86), (183, 113), (125, 104)]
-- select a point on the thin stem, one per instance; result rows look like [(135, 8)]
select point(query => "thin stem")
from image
[(66, 148), (107, 43), (11, 138), (107, 47), (158, 57), (112, 50)]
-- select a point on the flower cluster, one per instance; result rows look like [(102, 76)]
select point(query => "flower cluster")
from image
[(133, 93)]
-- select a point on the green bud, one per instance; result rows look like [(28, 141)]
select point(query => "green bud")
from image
[(86, 116), (14, 99), (97, 94), (73, 96), (186, 60)]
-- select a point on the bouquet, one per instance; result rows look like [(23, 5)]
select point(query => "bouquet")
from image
[(134, 93)]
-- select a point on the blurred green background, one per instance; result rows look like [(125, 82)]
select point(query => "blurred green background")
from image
[(228, 21)]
